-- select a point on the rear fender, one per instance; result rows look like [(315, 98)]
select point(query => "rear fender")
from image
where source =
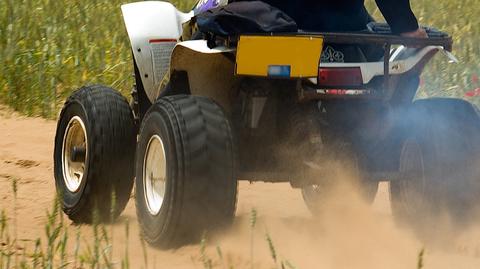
[(154, 28), (210, 72)]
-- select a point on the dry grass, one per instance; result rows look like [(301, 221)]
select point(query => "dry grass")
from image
[(57, 247), (48, 48)]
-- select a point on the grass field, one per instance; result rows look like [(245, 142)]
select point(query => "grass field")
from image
[(50, 47), (462, 20)]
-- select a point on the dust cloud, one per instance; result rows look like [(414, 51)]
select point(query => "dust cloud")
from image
[(348, 233)]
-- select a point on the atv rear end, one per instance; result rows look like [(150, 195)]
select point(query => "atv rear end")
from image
[(288, 79), (293, 107)]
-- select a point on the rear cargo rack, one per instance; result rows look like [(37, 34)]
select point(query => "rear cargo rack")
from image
[(435, 38), (385, 40), (380, 39), (376, 33)]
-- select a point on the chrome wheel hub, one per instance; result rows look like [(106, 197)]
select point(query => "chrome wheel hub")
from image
[(74, 153), (154, 174)]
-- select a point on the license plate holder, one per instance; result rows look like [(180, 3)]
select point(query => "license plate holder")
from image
[(272, 56)]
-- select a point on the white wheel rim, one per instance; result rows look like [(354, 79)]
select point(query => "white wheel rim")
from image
[(154, 174), (75, 137)]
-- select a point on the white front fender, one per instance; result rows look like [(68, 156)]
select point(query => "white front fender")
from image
[(154, 28)]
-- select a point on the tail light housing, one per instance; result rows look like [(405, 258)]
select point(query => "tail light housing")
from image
[(340, 77)]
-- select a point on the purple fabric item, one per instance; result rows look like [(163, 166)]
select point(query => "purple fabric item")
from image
[(205, 5)]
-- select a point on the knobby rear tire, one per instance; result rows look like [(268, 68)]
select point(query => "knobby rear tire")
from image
[(440, 150), (109, 155), (200, 190)]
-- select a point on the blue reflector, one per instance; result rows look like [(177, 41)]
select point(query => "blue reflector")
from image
[(279, 71)]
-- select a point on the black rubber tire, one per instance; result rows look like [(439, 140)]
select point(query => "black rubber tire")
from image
[(440, 149), (201, 184), (109, 165)]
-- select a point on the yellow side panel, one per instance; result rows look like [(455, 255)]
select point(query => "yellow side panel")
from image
[(256, 54)]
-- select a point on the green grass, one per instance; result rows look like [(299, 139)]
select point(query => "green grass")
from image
[(461, 19), (50, 47)]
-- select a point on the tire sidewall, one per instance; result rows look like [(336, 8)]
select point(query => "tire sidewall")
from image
[(444, 130), (155, 124), (70, 199)]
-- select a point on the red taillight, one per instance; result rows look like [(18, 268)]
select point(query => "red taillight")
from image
[(339, 76)]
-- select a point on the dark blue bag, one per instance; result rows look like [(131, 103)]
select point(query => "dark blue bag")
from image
[(245, 17)]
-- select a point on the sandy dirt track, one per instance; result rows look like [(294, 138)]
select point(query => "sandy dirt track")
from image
[(350, 235)]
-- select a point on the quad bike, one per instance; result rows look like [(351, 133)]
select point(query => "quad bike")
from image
[(290, 107)]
